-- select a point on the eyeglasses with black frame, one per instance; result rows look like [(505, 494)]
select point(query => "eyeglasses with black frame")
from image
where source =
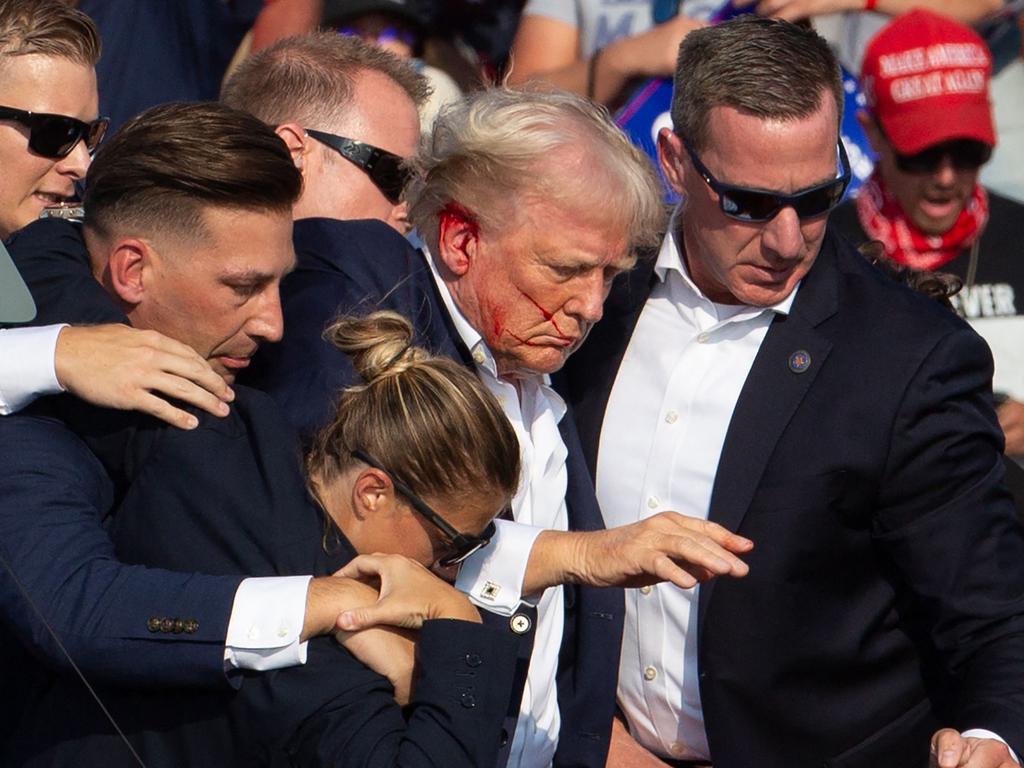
[(54, 136), (386, 170), (759, 205), (460, 545)]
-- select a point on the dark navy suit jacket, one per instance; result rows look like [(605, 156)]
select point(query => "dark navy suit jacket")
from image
[(53, 498), (346, 267), (886, 586), (229, 498)]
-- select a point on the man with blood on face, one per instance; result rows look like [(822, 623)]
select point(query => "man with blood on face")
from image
[(528, 205), (761, 374)]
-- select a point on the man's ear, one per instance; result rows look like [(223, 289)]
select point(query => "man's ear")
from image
[(458, 238), (298, 143), (127, 267), (670, 154)]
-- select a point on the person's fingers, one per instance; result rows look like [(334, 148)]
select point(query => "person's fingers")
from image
[(184, 389), (161, 409), (947, 748), (703, 552), (370, 616), (361, 567)]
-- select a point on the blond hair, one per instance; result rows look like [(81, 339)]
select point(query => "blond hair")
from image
[(49, 28), (427, 419), (499, 145)]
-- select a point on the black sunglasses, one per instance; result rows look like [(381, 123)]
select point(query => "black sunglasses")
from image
[(757, 205), (460, 545), (54, 136), (964, 154), (385, 169)]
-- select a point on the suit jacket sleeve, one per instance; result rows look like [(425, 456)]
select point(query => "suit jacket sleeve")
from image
[(950, 533), (53, 493), (334, 711)]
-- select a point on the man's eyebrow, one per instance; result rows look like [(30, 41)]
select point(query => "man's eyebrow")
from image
[(249, 275)]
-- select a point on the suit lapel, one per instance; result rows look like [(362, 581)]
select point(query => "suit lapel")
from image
[(792, 354)]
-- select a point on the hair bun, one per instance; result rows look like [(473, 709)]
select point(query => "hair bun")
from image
[(380, 344)]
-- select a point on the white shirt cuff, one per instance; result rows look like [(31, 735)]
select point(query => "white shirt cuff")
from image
[(266, 624), (981, 733), (29, 370), (492, 578)]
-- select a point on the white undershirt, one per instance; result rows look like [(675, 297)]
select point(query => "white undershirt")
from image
[(663, 431), (534, 410)]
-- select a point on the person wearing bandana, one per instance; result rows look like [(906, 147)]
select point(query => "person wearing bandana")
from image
[(929, 118)]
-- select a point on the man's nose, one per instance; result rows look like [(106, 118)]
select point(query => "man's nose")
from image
[(588, 303), (268, 323), (945, 173), (782, 235), (76, 163)]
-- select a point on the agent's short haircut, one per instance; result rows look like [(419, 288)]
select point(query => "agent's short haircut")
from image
[(308, 79), (500, 145), (165, 166), (47, 27), (762, 67)]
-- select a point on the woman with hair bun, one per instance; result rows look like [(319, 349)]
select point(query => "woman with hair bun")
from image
[(409, 475)]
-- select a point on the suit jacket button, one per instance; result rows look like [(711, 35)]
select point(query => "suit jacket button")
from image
[(166, 625), (467, 700), (153, 625), (520, 624), (179, 626), (473, 660), (191, 626)]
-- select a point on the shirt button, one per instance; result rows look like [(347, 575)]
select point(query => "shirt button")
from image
[(652, 502), (671, 417), (676, 748), (703, 338), (282, 631), (478, 356), (646, 590), (650, 673)]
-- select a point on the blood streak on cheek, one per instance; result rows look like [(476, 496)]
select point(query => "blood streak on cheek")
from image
[(547, 315)]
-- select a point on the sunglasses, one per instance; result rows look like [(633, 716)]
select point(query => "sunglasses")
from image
[(963, 154), (757, 205), (385, 169), (460, 545), (54, 136)]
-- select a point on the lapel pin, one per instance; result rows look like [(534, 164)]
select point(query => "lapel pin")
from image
[(800, 361)]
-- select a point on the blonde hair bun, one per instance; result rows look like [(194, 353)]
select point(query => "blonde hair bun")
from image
[(379, 344)]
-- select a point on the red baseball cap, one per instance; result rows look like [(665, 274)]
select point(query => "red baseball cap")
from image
[(925, 78)]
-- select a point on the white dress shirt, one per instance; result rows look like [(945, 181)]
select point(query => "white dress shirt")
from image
[(28, 369), (493, 577), (663, 432)]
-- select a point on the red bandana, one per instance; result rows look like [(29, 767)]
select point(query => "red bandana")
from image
[(883, 220)]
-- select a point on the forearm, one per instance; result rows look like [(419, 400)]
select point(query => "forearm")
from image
[(965, 11)]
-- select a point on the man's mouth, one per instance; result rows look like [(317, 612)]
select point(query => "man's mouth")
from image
[(233, 362), (939, 208), (52, 198)]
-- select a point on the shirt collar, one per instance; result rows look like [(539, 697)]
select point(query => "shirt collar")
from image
[(470, 336), (670, 259)]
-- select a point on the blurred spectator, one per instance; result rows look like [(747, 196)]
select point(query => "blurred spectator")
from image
[(401, 27), (157, 51), (596, 47), (926, 79)]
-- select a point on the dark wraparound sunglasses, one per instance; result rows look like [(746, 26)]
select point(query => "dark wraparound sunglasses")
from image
[(964, 154), (460, 545), (385, 169), (756, 205), (54, 136)]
